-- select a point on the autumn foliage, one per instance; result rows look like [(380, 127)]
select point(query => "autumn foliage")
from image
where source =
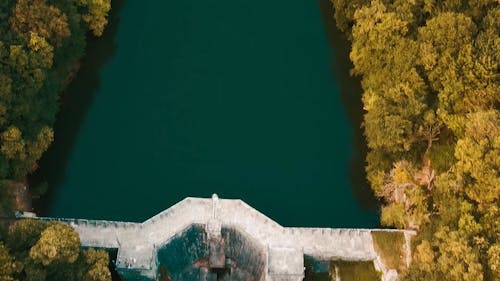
[(41, 42), (431, 90), (37, 250)]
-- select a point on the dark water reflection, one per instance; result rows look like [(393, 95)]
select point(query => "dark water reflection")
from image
[(350, 92), (250, 100), (75, 102)]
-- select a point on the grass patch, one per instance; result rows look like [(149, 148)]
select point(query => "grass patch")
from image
[(356, 271), (391, 248)]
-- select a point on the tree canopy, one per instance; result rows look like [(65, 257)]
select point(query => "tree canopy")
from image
[(431, 90), (37, 250), (41, 43)]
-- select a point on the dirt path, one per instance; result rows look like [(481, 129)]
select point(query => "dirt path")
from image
[(21, 196)]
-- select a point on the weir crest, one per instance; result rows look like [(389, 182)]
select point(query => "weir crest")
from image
[(231, 237)]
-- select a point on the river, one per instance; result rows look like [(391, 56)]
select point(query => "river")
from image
[(246, 99)]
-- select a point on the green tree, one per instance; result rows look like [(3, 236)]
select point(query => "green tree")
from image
[(431, 89), (58, 243), (34, 272), (95, 266), (7, 265), (425, 257), (97, 13), (42, 18), (494, 259), (478, 157), (23, 234), (394, 93), (36, 148), (51, 252), (457, 261), (41, 43), (344, 12), (490, 220), (13, 146), (42, 53), (5, 86), (446, 43), (393, 215)]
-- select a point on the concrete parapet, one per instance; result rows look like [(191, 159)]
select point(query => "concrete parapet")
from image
[(138, 243)]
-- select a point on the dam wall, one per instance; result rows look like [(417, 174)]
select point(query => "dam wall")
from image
[(233, 234)]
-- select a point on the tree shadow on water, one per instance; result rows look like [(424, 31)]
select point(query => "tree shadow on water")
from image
[(75, 101), (350, 93)]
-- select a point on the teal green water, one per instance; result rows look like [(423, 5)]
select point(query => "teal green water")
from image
[(189, 98)]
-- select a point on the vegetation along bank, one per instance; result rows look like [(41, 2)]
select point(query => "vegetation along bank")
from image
[(41, 43), (431, 90)]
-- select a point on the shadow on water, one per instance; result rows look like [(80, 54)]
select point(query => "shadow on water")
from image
[(350, 94), (75, 101)]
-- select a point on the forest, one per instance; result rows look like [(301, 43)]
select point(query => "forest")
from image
[(430, 74), (41, 43), (431, 88)]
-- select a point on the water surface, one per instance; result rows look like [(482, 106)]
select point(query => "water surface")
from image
[(189, 98)]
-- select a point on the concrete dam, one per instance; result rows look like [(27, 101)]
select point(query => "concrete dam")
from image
[(225, 239)]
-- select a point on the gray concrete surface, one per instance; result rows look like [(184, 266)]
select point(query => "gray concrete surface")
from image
[(285, 247)]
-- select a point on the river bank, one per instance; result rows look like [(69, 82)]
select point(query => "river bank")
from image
[(21, 198)]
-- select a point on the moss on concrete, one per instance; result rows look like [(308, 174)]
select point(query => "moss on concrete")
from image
[(321, 276), (356, 271), (390, 246)]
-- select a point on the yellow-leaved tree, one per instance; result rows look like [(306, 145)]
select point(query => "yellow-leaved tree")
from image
[(42, 18), (97, 13), (57, 243)]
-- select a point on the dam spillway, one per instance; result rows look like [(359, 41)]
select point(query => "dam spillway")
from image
[(225, 235)]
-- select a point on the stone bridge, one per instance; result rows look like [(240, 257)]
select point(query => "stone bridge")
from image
[(282, 248)]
